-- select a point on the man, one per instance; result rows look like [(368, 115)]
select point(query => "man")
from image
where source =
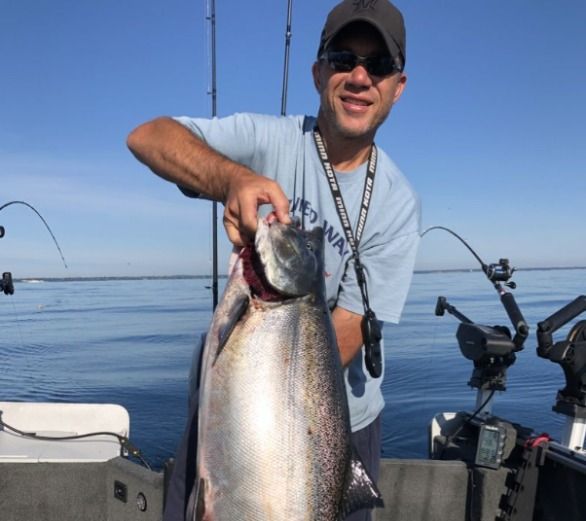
[(247, 160)]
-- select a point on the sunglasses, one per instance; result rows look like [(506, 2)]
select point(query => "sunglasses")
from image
[(346, 61)]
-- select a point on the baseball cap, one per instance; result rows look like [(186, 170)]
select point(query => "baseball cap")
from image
[(381, 14)]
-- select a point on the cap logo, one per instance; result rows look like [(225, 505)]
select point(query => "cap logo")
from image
[(364, 4)]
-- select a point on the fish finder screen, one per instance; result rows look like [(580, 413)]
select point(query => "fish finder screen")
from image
[(489, 448)]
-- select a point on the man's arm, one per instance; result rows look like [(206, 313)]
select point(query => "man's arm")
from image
[(348, 333), (174, 153)]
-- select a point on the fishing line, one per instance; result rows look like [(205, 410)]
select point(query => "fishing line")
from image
[(484, 265), (44, 222), (122, 440), (17, 320)]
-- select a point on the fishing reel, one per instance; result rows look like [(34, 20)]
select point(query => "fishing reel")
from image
[(491, 348), (500, 272)]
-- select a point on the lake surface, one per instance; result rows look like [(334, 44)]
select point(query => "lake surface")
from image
[(130, 342)]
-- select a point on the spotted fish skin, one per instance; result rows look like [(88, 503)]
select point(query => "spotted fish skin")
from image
[(274, 431)]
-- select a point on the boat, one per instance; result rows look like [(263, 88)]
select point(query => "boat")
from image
[(72, 462)]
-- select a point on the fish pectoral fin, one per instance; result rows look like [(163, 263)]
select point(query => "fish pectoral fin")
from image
[(360, 490), (235, 313), (196, 508)]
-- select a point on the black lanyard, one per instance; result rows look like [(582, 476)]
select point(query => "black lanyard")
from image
[(371, 332)]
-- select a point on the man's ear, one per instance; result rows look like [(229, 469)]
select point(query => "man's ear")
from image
[(315, 74), (400, 87)]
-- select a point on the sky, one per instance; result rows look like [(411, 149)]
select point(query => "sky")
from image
[(490, 129)]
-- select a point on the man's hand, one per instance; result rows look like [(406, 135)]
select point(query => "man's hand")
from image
[(246, 192), (176, 154)]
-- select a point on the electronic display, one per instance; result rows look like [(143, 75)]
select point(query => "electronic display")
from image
[(489, 451)]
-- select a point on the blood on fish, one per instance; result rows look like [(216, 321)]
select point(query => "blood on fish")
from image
[(255, 277)]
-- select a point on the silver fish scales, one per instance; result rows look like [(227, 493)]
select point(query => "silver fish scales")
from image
[(274, 435)]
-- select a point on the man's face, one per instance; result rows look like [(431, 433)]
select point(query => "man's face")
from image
[(355, 103)]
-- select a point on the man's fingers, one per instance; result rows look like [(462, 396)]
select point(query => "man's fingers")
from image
[(248, 214), (237, 234), (283, 215), (280, 202), (245, 197), (234, 234)]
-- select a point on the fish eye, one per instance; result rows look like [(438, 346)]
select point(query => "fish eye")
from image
[(309, 246)]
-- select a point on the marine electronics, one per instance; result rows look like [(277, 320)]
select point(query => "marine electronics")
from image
[(492, 440)]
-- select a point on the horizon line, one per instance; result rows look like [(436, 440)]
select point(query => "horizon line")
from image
[(97, 278)]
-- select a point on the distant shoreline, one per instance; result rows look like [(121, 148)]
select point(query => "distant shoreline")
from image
[(208, 277)]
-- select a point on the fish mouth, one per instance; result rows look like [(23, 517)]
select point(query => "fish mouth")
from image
[(254, 274), (256, 259)]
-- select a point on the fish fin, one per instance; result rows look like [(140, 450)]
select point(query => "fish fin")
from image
[(196, 507), (239, 307), (200, 506), (360, 490)]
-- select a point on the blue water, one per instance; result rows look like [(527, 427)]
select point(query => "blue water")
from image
[(130, 342)]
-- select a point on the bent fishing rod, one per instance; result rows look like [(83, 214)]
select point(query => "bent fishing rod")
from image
[(497, 273), (24, 203), (6, 284)]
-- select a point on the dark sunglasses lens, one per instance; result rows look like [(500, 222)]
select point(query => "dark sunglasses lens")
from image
[(342, 61), (380, 65)]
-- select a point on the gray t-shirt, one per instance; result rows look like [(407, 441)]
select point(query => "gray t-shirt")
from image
[(283, 149)]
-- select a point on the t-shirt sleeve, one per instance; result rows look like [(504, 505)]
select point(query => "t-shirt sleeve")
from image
[(260, 142), (233, 136)]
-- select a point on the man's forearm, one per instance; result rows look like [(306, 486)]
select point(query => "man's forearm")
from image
[(348, 333), (174, 153)]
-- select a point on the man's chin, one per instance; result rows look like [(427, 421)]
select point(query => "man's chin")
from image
[(354, 131)]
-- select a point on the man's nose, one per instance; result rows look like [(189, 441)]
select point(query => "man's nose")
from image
[(359, 76)]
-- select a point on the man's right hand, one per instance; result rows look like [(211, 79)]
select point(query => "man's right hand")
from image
[(246, 193)]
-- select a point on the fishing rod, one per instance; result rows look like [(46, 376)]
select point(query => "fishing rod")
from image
[(492, 349), (211, 17), (288, 35), (44, 222), (497, 273)]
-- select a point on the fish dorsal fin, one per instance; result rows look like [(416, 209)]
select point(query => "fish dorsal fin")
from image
[(360, 491), (238, 308)]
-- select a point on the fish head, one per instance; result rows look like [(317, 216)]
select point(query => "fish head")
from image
[(292, 258)]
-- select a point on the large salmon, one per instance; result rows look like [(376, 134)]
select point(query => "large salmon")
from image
[(274, 431)]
